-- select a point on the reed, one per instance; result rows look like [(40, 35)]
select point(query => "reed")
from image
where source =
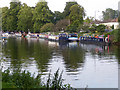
[(24, 79)]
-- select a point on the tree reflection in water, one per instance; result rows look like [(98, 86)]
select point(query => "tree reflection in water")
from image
[(23, 53)]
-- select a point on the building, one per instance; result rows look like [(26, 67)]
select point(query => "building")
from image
[(110, 23)]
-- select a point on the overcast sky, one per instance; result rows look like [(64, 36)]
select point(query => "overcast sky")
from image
[(92, 7)]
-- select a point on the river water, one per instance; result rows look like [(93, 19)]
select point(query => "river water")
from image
[(91, 65)]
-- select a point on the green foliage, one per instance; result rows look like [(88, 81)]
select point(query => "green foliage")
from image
[(23, 79), (101, 28), (119, 17), (66, 12), (56, 81), (22, 17), (48, 27), (88, 20), (8, 85), (109, 14), (93, 28), (41, 15), (61, 25), (84, 28), (4, 18), (76, 13), (76, 18), (117, 35), (25, 18), (0, 19), (57, 16), (12, 16), (73, 27)]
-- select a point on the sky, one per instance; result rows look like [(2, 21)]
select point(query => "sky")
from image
[(92, 8)]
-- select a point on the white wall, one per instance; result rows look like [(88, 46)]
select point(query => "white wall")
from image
[(109, 24)]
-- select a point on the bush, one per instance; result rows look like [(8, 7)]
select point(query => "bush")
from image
[(117, 35), (23, 79), (47, 27)]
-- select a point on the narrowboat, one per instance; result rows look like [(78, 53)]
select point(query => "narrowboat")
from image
[(5, 36), (53, 37), (97, 40), (18, 34), (73, 37), (63, 37)]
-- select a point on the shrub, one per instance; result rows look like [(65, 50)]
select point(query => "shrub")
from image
[(47, 27), (117, 35), (24, 79)]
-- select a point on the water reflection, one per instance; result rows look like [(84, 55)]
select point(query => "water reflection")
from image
[(24, 51), (117, 53), (80, 62)]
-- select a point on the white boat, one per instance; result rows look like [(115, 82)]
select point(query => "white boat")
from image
[(53, 37), (73, 37), (18, 34), (5, 35)]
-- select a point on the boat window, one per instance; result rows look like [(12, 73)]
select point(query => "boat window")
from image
[(73, 35)]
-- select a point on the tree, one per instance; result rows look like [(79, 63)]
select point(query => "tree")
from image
[(48, 27), (57, 16), (5, 13), (12, 16), (25, 18), (61, 25), (88, 20), (66, 12), (76, 17), (109, 14), (101, 28), (76, 13), (93, 28), (41, 15), (73, 27), (117, 35), (0, 19)]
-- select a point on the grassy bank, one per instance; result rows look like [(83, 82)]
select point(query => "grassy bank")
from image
[(24, 79)]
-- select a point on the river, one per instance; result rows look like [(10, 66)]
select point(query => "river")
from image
[(95, 66)]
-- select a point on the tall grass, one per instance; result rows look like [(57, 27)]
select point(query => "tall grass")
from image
[(24, 79)]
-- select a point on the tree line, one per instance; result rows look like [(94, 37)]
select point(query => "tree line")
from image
[(21, 17)]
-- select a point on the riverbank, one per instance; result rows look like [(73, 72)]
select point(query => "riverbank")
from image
[(24, 79), (116, 43)]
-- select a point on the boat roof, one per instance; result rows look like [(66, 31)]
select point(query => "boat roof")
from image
[(72, 34)]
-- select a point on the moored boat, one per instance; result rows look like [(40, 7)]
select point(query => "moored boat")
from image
[(97, 40), (53, 37), (18, 34), (63, 37), (73, 37)]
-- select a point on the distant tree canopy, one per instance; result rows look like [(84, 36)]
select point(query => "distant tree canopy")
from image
[(76, 17), (20, 17), (41, 15), (119, 17), (58, 16), (4, 18), (0, 19), (48, 27), (61, 25), (25, 18), (109, 14), (12, 16), (66, 12)]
